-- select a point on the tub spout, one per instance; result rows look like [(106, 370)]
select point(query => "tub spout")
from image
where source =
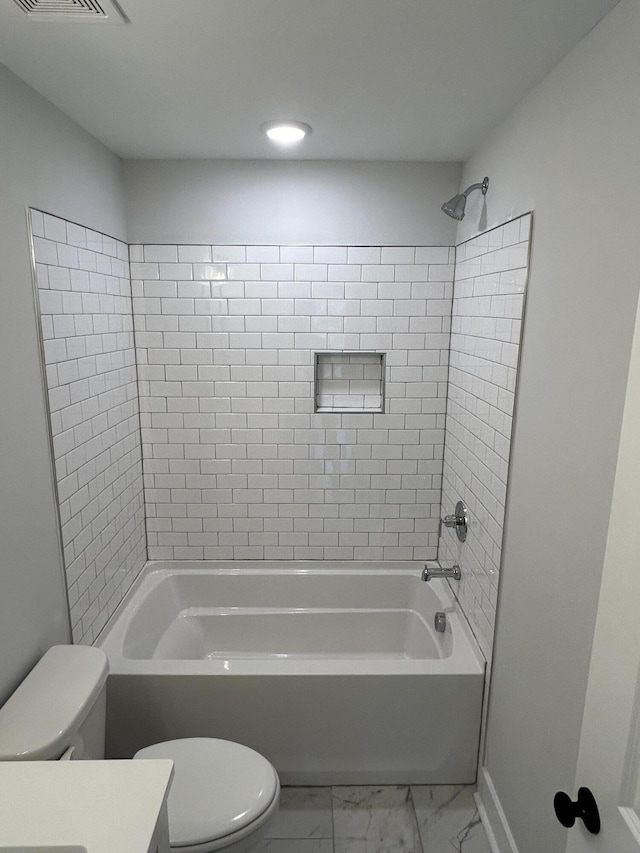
[(454, 572)]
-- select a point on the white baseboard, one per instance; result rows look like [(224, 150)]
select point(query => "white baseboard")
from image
[(492, 815), (486, 825)]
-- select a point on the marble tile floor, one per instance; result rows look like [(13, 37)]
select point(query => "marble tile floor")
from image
[(377, 819)]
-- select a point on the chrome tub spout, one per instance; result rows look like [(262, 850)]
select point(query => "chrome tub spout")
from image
[(452, 573)]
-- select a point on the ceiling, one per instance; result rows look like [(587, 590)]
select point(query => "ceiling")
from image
[(376, 79)]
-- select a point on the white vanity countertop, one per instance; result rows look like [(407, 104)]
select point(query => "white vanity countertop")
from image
[(104, 806)]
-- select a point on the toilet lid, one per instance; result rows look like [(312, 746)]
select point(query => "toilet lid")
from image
[(219, 787)]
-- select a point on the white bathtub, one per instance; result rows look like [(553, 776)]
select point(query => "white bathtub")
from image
[(332, 672)]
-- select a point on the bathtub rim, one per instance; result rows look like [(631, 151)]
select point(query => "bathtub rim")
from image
[(466, 659)]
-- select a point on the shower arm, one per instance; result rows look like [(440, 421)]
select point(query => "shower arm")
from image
[(484, 186)]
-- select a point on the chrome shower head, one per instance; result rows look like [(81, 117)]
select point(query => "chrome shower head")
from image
[(455, 206)]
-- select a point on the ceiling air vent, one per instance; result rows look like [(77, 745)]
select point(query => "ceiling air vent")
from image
[(89, 11)]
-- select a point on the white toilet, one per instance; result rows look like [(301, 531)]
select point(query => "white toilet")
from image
[(223, 795)]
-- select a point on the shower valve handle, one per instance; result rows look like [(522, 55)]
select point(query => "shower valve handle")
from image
[(459, 520)]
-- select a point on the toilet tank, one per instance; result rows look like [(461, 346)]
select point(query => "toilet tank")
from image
[(58, 711)]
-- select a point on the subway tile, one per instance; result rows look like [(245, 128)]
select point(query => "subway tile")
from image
[(364, 254), (398, 254), (37, 222), (510, 233), (433, 255), (145, 270), (261, 289), (330, 254), (276, 271), (59, 278), (175, 271), (327, 290), (263, 254), (243, 271), (50, 302), (343, 307), (228, 254), (294, 289), (158, 254), (361, 290), (310, 272), (55, 229), (296, 254), (194, 254), (193, 289), (280, 307), (160, 288), (378, 272), (205, 272), (45, 251)]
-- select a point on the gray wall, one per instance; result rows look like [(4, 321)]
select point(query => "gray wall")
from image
[(48, 162), (290, 202), (569, 152)]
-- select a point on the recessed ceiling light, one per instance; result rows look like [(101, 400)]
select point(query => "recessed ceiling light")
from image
[(286, 132)]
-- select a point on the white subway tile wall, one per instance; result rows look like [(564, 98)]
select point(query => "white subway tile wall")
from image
[(87, 329), (237, 465), (490, 282)]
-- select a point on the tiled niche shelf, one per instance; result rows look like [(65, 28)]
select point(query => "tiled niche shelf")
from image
[(349, 381)]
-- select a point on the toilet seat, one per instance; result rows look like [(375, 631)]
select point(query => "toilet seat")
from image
[(221, 792)]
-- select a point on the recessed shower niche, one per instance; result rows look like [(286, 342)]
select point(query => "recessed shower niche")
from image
[(349, 381)]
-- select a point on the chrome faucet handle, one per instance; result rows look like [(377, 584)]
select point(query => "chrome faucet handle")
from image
[(459, 520)]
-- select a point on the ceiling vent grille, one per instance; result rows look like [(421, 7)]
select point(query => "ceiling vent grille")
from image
[(91, 11)]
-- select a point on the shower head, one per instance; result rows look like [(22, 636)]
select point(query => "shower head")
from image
[(455, 206)]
